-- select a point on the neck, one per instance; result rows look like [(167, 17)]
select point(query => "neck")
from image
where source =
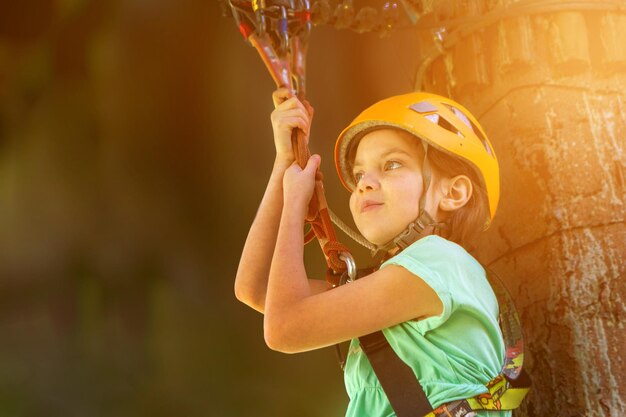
[(423, 226)]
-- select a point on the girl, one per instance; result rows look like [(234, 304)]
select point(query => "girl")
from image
[(423, 180)]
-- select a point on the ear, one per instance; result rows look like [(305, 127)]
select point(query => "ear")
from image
[(456, 193)]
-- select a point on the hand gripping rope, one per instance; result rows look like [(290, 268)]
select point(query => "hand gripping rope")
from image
[(279, 31)]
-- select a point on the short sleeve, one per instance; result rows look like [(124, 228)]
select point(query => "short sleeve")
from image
[(418, 259)]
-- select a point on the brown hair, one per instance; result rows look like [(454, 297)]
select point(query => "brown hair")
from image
[(466, 223)]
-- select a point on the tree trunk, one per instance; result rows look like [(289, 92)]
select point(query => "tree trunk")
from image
[(547, 80)]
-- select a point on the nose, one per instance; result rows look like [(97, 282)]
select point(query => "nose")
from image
[(368, 182)]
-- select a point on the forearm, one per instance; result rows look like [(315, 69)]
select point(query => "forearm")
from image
[(254, 265), (288, 283)]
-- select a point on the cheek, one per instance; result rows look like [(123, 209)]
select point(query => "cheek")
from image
[(410, 195), (352, 204), (410, 188)]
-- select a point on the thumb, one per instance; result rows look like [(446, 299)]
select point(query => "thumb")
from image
[(312, 164)]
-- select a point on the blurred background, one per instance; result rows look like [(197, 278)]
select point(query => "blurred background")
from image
[(135, 144)]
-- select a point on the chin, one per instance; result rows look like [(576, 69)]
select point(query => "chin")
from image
[(382, 234), (376, 237)]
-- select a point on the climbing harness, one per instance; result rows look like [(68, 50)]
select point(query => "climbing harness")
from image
[(279, 31), (405, 394)]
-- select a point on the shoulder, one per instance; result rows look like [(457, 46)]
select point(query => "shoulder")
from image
[(449, 269), (437, 245), (457, 278), (437, 254)]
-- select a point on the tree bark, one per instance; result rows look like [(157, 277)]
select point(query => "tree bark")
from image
[(547, 80)]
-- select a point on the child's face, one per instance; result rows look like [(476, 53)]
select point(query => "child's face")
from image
[(388, 176)]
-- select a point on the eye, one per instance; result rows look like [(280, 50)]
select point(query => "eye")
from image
[(357, 176), (390, 165)]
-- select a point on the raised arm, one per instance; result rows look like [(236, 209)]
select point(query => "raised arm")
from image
[(298, 319), (253, 270), (254, 265)]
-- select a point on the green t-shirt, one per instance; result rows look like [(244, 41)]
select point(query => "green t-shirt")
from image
[(453, 355)]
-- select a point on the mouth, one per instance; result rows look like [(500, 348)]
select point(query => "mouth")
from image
[(369, 205)]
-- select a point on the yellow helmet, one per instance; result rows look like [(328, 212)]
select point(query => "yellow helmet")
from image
[(438, 121)]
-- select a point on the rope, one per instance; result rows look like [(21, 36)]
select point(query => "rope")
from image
[(285, 62), (332, 249), (356, 236)]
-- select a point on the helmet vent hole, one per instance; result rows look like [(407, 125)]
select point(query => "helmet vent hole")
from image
[(442, 122), (483, 140), (458, 113), (475, 128), (449, 126), (433, 118)]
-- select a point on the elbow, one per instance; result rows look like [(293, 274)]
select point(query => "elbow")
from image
[(277, 337), (240, 286), (240, 293), (278, 344), (248, 296)]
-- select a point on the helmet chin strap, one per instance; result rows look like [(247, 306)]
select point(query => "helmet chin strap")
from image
[(423, 225)]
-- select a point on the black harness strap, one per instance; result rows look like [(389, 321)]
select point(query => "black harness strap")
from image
[(403, 390), (405, 393)]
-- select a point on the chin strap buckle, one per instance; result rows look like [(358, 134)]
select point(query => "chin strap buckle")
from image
[(424, 225)]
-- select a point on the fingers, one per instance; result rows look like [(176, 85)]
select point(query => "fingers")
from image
[(299, 184), (311, 166), (284, 100), (291, 119), (284, 95), (292, 102), (281, 95), (290, 114), (309, 108)]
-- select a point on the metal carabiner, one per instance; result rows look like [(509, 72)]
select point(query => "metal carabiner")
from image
[(347, 258)]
